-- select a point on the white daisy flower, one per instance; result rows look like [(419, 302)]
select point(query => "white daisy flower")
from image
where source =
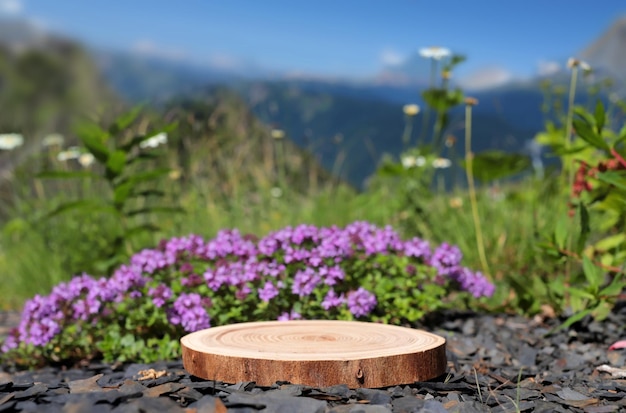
[(411, 109), (154, 141), (54, 139), (278, 134), (442, 163), (10, 141), (86, 159), (73, 152), (435, 52)]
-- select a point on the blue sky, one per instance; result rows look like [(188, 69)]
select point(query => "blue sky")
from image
[(345, 38)]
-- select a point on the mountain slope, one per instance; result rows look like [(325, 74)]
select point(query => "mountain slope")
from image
[(608, 53)]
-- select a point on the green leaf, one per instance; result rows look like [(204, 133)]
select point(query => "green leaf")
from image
[(600, 117), (125, 120), (615, 287), (561, 231), (562, 150), (493, 165), (442, 99), (617, 178), (93, 137), (571, 320), (155, 209), (586, 133), (578, 293), (584, 227), (593, 273), (610, 242), (115, 164), (84, 205), (390, 169), (622, 136), (150, 192), (149, 175), (122, 192), (67, 175)]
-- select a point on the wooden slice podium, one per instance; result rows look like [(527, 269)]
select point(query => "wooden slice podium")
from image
[(315, 353)]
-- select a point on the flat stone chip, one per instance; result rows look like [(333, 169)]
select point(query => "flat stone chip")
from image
[(315, 353)]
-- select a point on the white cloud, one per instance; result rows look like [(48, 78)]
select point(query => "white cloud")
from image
[(390, 57), (225, 61), (547, 68), (148, 47), (486, 78), (11, 7)]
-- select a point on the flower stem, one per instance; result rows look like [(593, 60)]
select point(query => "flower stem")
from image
[(469, 156), (568, 169)]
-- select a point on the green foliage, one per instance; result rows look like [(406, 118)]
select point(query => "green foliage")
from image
[(489, 166), (129, 172), (594, 241)]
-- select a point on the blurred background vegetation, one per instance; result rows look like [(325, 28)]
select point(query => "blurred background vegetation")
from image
[(260, 156)]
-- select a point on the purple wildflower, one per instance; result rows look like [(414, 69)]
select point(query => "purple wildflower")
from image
[(268, 291), (160, 294), (84, 309), (305, 282), (332, 275), (127, 280), (332, 300), (271, 268), (189, 312), (293, 315), (361, 302), (10, 342), (418, 248), (193, 280), (446, 259), (40, 332), (474, 282), (150, 261)]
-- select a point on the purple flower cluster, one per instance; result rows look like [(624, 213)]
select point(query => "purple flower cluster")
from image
[(189, 312), (361, 302), (296, 263)]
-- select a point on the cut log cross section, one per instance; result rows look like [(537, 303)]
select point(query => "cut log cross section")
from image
[(315, 353)]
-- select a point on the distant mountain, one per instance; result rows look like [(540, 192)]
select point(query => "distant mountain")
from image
[(607, 54), (145, 77), (349, 129)]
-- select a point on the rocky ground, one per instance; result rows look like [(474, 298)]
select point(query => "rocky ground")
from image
[(496, 363)]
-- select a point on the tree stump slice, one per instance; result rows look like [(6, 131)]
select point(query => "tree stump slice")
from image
[(315, 353)]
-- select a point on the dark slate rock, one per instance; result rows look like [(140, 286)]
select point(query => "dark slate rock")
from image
[(111, 380), (85, 385), (131, 387), (277, 404), (8, 406), (470, 407), (33, 391), (26, 406), (188, 395), (208, 404), (340, 390), (374, 396), (407, 404), (360, 408), (148, 404), (81, 406)]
